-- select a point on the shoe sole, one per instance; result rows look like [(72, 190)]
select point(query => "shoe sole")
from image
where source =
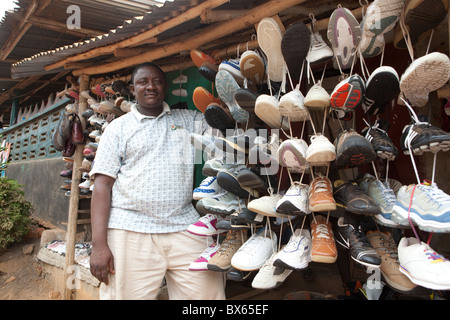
[(267, 111), (295, 45), (251, 180), (323, 259), (426, 74), (269, 40), (320, 157), (291, 158), (422, 224), (349, 95), (245, 99), (420, 17), (385, 15), (252, 67), (355, 154), (344, 45), (226, 87), (217, 118), (321, 207), (280, 263), (367, 264), (288, 208), (432, 146), (208, 73), (223, 211), (202, 98), (214, 267), (229, 182)]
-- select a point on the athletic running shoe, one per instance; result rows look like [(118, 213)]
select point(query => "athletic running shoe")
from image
[(249, 179), (228, 181), (213, 166), (353, 150), (320, 195), (209, 71), (381, 143), (422, 265), (226, 87), (296, 254), (202, 98), (381, 16), (292, 154), (265, 152), (319, 50), (420, 137), (255, 251), (201, 263), (270, 276), (224, 204), (370, 46), (384, 244), (348, 94), (381, 88), (198, 58), (385, 198), (323, 244), (233, 67), (265, 205), (221, 261), (424, 75), (207, 188), (295, 44), (252, 66), (353, 198), (352, 238), (425, 205), (417, 19), (205, 226), (295, 201), (291, 106), (269, 40), (321, 151), (344, 34)]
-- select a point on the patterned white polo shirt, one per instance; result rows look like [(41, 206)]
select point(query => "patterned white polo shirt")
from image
[(152, 160)]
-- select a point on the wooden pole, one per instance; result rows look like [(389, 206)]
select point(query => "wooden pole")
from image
[(248, 18), (69, 269)]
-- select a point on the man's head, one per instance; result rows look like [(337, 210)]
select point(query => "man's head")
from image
[(149, 87)]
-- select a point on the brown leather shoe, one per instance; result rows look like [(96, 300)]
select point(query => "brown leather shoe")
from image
[(323, 245), (351, 197), (353, 150), (321, 195)]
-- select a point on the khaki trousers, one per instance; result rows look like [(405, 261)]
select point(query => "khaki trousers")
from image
[(142, 261)]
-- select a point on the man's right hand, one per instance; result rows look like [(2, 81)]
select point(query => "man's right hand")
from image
[(102, 263)]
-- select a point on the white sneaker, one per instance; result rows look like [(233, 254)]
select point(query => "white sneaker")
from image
[(205, 226), (207, 188), (201, 263), (295, 200), (296, 254), (265, 205), (213, 166), (292, 154), (266, 108), (224, 203), (270, 276), (255, 251), (422, 265), (321, 151), (319, 50), (291, 106), (317, 97)]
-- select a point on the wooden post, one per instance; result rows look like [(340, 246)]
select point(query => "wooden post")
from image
[(14, 109), (69, 270)]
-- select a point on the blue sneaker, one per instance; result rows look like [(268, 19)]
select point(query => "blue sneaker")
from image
[(207, 188), (430, 207)]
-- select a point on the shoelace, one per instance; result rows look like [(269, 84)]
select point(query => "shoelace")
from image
[(322, 231), (436, 195), (387, 194), (321, 186)]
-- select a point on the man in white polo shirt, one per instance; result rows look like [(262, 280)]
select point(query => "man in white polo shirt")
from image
[(142, 201)]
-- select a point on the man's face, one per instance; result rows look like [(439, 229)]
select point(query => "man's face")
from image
[(149, 88)]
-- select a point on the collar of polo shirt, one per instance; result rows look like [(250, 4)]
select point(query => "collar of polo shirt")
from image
[(140, 116)]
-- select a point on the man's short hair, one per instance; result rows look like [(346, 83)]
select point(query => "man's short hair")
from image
[(146, 64)]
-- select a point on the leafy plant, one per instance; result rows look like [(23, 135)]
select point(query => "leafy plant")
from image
[(15, 211)]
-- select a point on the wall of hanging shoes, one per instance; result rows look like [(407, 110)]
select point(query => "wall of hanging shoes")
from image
[(290, 178), (273, 111)]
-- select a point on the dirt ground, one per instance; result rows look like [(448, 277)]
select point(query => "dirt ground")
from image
[(21, 275)]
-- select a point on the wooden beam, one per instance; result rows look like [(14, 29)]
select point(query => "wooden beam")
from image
[(46, 83), (245, 20), (20, 86), (132, 41), (35, 7), (61, 27)]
